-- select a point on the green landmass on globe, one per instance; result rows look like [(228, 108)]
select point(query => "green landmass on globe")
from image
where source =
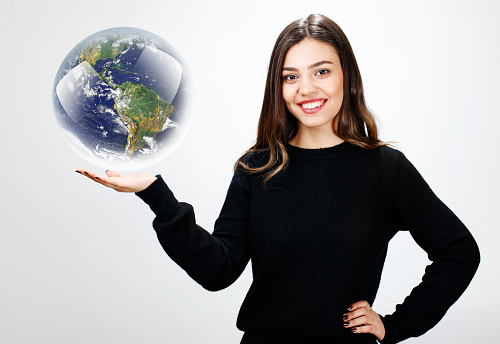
[(144, 111), (141, 108), (96, 51)]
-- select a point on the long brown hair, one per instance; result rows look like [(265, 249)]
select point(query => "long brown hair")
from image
[(277, 126)]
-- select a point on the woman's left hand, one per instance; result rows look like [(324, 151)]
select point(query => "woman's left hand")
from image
[(361, 318)]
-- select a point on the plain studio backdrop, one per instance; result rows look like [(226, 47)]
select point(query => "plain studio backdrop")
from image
[(81, 264)]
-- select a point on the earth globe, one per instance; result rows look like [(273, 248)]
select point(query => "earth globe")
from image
[(121, 98)]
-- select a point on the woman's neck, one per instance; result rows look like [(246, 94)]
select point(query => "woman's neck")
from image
[(311, 139)]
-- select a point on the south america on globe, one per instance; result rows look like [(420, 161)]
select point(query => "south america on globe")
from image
[(121, 98)]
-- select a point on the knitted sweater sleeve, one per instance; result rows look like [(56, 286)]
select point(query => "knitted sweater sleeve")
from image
[(213, 260), (450, 247)]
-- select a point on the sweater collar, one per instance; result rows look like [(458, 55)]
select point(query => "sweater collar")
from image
[(319, 153)]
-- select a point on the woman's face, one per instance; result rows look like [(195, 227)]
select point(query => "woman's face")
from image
[(313, 84)]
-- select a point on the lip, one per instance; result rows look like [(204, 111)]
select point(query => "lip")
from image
[(311, 101), (315, 110)]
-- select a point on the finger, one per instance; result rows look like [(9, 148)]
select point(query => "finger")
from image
[(112, 173), (355, 314), (118, 184), (359, 304), (377, 331), (104, 180), (80, 170), (363, 320), (86, 172), (110, 182), (364, 329)]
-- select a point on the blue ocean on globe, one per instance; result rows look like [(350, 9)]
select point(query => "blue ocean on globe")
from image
[(121, 98)]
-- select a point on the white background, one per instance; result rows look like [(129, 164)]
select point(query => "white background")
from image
[(81, 264)]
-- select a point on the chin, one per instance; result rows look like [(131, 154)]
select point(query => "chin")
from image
[(316, 123)]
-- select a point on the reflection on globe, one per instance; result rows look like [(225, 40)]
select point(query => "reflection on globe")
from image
[(121, 98)]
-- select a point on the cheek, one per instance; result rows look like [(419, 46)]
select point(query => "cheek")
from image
[(288, 94), (336, 90)]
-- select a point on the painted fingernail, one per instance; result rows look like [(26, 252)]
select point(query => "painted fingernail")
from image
[(346, 324), (78, 172), (350, 307), (345, 317), (353, 329), (97, 178)]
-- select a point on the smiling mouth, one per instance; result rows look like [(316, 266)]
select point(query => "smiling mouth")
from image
[(312, 105)]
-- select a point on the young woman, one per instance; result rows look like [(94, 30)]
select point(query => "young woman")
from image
[(314, 204)]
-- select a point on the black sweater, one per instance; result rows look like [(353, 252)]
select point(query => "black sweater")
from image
[(317, 236)]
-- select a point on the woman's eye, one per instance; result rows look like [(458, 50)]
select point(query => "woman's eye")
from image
[(322, 72), (289, 77)]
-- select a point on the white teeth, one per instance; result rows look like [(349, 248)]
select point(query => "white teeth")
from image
[(312, 105)]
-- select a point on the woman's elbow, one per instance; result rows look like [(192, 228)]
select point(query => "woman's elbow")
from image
[(213, 285)]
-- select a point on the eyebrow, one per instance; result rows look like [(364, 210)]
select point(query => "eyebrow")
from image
[(309, 67)]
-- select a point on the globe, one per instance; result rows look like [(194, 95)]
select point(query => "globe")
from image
[(121, 98)]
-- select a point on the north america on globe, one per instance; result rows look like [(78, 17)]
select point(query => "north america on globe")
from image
[(121, 98)]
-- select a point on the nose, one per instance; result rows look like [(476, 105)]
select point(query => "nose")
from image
[(307, 86)]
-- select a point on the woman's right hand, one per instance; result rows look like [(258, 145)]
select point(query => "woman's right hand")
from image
[(130, 183)]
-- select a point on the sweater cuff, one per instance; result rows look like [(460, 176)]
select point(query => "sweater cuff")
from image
[(389, 337), (160, 198)]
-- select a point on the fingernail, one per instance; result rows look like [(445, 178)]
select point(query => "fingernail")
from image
[(353, 329), (345, 317), (78, 172), (350, 307), (97, 178), (346, 324)]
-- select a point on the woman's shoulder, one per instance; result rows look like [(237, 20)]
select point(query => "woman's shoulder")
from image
[(387, 160), (392, 163), (246, 168), (384, 153), (253, 159)]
